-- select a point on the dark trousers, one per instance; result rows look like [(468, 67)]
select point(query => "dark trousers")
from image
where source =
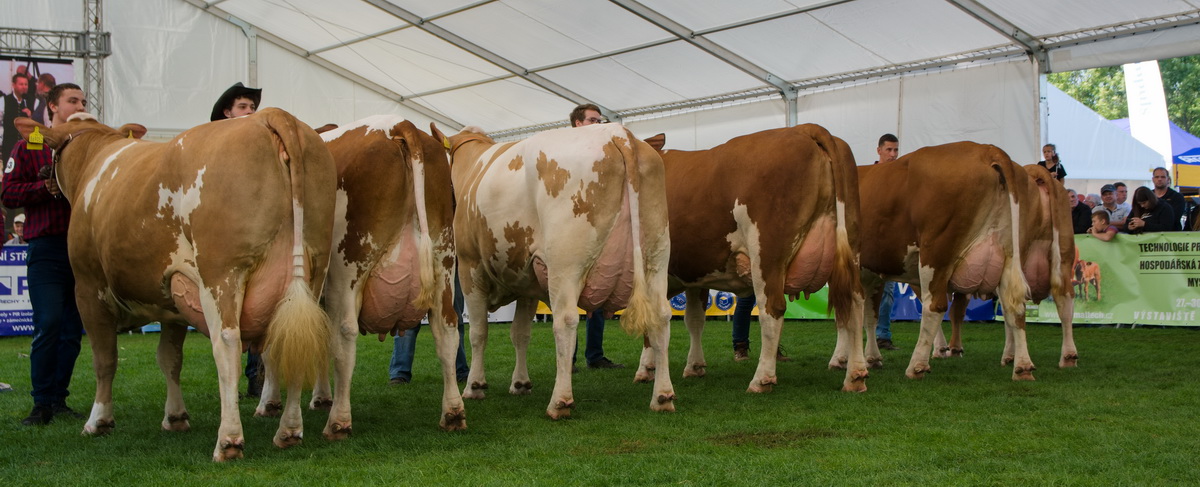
[(57, 327)]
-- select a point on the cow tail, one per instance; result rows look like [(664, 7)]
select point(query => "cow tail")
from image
[(298, 335), (844, 285), (425, 299), (642, 315), (1013, 286)]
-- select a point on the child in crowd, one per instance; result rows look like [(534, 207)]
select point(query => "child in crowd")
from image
[(1100, 228)]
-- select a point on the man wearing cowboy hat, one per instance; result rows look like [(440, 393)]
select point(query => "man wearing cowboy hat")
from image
[(237, 101)]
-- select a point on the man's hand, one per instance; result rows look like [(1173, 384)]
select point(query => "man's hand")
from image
[(52, 187), (27, 112)]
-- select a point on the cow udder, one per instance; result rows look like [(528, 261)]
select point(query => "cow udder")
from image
[(391, 288), (812, 265)]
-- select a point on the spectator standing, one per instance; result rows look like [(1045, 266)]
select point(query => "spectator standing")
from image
[(1163, 191), (1150, 214), (888, 150), (1051, 162), (57, 327), (583, 115), (742, 310), (1081, 214)]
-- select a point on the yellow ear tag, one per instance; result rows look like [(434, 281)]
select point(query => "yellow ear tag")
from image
[(130, 135), (446, 142), (35, 140)]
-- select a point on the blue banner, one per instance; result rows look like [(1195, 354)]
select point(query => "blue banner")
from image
[(16, 312)]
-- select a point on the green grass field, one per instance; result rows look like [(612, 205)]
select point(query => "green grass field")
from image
[(1126, 416)]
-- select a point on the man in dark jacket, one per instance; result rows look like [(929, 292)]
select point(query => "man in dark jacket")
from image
[(1081, 214)]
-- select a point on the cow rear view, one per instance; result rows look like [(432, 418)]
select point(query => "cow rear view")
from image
[(574, 217), (233, 222)]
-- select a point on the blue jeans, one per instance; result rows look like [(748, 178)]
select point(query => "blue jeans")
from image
[(741, 320), (595, 339), (883, 329), (57, 327), (405, 346)]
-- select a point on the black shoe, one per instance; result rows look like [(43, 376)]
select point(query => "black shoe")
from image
[(41, 415), (885, 344), (605, 363), (396, 381), (64, 410), (461, 379)]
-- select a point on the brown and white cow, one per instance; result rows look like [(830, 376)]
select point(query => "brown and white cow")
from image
[(774, 213), (576, 217), (225, 228), (945, 219), (393, 254), (1048, 249)]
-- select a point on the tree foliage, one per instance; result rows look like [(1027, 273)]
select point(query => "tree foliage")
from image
[(1103, 90)]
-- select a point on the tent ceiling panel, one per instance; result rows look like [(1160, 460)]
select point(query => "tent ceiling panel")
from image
[(700, 15), (312, 24), (812, 48), (412, 61), (609, 83), (500, 104), (534, 33), (426, 8), (909, 30), (1043, 18), (683, 69)]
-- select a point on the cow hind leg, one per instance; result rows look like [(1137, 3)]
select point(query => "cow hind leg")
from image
[(647, 363), (477, 312), (291, 425), (270, 402), (453, 416), (170, 361), (1066, 314), (520, 335), (343, 343), (102, 334), (1014, 324), (566, 322), (958, 312), (770, 325), (663, 398), (693, 316)]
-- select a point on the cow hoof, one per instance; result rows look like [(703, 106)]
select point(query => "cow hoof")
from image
[(520, 388), (338, 431), (956, 352), (663, 403), (1006, 361), (229, 449), (764, 385), (856, 382), (270, 409), (837, 364), (320, 404), (643, 376), (695, 370), (1068, 361), (874, 363), (99, 428), (177, 423), (917, 371), (288, 439), (943, 352), (561, 409), (1024, 373), (475, 390), (454, 420)]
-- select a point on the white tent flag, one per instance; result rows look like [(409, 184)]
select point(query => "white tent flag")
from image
[(1148, 108)]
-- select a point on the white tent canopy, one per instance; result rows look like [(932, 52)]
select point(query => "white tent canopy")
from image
[(932, 71)]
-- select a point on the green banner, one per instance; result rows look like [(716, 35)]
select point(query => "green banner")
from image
[(1151, 279), (813, 308)]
